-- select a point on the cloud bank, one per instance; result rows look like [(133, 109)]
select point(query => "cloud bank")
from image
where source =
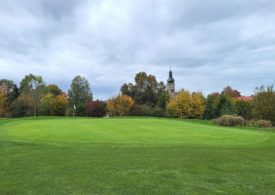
[(209, 44)]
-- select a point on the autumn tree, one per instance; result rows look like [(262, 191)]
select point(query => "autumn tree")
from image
[(186, 105), (58, 105), (10, 90), (96, 108), (232, 93), (180, 105), (51, 91), (198, 105), (3, 104), (79, 94), (120, 105)]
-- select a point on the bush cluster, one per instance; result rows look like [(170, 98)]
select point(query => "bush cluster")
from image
[(230, 120), (234, 120), (261, 123), (146, 110)]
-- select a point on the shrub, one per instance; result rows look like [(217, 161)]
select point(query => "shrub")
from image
[(158, 112), (262, 124), (69, 111), (146, 110), (230, 120), (141, 110)]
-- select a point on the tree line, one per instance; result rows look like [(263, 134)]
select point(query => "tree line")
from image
[(145, 97), (34, 97)]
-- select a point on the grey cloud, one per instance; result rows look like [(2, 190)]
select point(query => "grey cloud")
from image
[(208, 44)]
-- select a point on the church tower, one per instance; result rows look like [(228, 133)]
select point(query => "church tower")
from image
[(171, 84)]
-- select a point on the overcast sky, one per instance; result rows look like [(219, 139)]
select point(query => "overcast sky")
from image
[(208, 43)]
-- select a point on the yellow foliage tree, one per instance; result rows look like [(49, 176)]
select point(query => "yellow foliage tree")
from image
[(120, 105), (3, 104), (58, 105), (180, 105), (186, 105), (198, 105)]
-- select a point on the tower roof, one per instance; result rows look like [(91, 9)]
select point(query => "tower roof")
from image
[(170, 79)]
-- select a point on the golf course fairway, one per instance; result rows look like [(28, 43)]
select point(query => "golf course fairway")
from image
[(63, 155)]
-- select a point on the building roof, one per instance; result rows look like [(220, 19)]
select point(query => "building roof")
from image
[(245, 98)]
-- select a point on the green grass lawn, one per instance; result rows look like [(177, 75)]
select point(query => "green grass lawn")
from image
[(133, 156)]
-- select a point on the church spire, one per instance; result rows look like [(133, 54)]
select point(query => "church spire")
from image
[(171, 84), (170, 78)]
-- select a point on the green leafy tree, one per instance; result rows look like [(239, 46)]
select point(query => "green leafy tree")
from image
[(243, 108), (79, 94), (54, 90), (163, 100), (211, 106), (145, 90), (225, 105), (51, 91), (128, 89), (30, 82), (23, 106), (44, 106), (264, 103), (34, 87)]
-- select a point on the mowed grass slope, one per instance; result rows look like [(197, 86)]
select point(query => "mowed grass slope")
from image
[(133, 156)]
